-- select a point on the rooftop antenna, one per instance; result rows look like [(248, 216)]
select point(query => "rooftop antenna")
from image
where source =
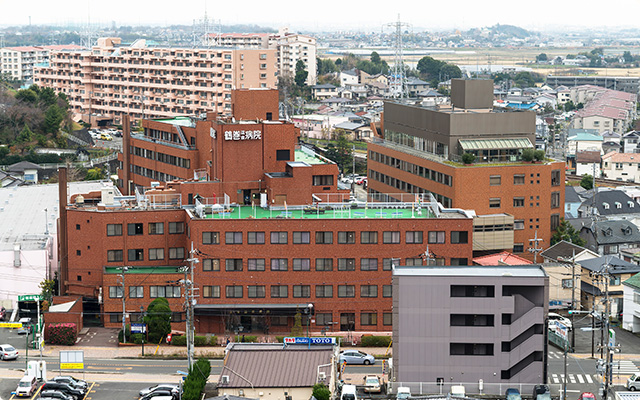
[(398, 84), (86, 40), (202, 30)]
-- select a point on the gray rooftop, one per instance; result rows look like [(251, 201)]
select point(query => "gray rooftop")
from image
[(23, 216), (562, 249), (516, 271), (612, 232), (616, 265)]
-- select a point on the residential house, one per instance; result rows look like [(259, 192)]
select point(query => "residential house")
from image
[(588, 163), (621, 166), (607, 237), (324, 91), (608, 147), (630, 142), (378, 88), (564, 95), (355, 130), (415, 86), (502, 258), (546, 99), (583, 141), (593, 284), (609, 204), (8, 180), (572, 201), (269, 371), (631, 304), (25, 170), (610, 136), (349, 77)]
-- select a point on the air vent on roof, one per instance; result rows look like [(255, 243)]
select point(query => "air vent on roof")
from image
[(630, 204)]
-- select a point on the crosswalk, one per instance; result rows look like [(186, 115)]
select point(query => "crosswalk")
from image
[(624, 367), (574, 378), (556, 354)]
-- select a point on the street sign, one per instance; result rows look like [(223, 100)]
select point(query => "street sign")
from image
[(71, 359), (612, 338), (30, 297), (14, 325), (562, 330), (138, 328)]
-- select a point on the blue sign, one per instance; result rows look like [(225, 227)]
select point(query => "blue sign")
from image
[(138, 328), (313, 340)]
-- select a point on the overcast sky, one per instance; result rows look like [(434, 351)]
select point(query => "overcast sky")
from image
[(332, 15)]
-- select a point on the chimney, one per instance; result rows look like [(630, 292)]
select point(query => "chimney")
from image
[(63, 248), (126, 139), (16, 255)]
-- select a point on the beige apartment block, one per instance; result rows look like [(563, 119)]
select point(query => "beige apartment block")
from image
[(18, 62), (113, 79)]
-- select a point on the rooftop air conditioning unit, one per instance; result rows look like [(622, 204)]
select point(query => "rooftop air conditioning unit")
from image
[(224, 379), (322, 376)]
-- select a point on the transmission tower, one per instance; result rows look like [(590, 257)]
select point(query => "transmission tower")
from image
[(398, 79), (202, 31), (86, 39)]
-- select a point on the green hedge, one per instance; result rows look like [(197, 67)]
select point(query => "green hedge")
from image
[(138, 338), (179, 340), (128, 331), (213, 340), (247, 339), (375, 341), (200, 341)]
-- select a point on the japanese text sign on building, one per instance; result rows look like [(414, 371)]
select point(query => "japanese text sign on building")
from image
[(243, 135), (313, 340), (30, 297)]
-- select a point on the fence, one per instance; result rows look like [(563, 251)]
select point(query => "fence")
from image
[(471, 388)]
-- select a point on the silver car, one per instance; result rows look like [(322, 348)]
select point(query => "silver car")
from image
[(8, 352), (633, 383), (163, 386), (356, 357)]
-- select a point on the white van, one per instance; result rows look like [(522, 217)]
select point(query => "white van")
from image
[(349, 392), (403, 393), (26, 386)]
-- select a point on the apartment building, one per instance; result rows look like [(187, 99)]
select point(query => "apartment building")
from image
[(475, 323), (604, 109), (621, 83), (19, 62), (112, 79), (621, 166), (422, 150)]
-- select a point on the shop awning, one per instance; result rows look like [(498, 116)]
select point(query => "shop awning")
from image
[(249, 309), (495, 144)]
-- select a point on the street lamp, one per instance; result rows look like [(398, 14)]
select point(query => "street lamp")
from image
[(309, 312), (143, 328)]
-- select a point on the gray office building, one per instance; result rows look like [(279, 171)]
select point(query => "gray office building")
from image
[(460, 325)]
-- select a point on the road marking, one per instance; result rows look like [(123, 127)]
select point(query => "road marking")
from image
[(588, 377), (573, 391), (580, 379), (555, 378), (88, 391), (572, 378)]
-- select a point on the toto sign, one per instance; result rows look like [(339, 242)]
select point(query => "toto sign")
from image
[(313, 340)]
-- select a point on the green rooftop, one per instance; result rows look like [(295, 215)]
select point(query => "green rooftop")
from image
[(633, 282), (144, 270), (244, 212), (182, 121), (300, 155)]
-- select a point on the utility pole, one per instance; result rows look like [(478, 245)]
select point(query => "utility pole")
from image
[(535, 249), (124, 312), (353, 170), (573, 298), (189, 294)]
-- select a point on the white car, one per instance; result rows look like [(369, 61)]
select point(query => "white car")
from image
[(553, 318), (8, 352)]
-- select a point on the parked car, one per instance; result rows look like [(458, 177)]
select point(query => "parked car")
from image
[(105, 136), (541, 392), (64, 388), (356, 357), (26, 329), (161, 395), (26, 386), (512, 394), (403, 393), (360, 180), (54, 395), (349, 392), (559, 318), (8, 352), (372, 384), (587, 396), (633, 383), (71, 381), (162, 386)]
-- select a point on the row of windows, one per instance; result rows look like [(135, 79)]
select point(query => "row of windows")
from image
[(137, 292), (520, 201), (327, 237), (135, 317), (150, 173), (297, 291), (154, 228), (322, 264), (163, 158), (406, 187), (411, 168), (175, 253)]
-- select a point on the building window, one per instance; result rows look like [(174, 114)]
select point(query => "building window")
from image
[(324, 237), (233, 264), (136, 254), (458, 237), (283, 155), (413, 237), (255, 237), (115, 317), (494, 180), (518, 224), (233, 237), (555, 221), (135, 229), (255, 264), (471, 319), (233, 292), (279, 237), (211, 264), (301, 291), (472, 291), (210, 237), (436, 237), (114, 229), (348, 237), (459, 261), (346, 264), (156, 228), (555, 177), (324, 291), (518, 201), (279, 291), (471, 349), (322, 180), (301, 264), (346, 291), (387, 291), (136, 292), (324, 319), (115, 292), (176, 228), (256, 292), (518, 247), (494, 203), (368, 318), (389, 263), (518, 179), (176, 253), (567, 283), (555, 199), (324, 264), (156, 254), (279, 264), (164, 291), (114, 255), (368, 291), (301, 237), (387, 319), (211, 291), (389, 237), (368, 264), (413, 262), (369, 237)]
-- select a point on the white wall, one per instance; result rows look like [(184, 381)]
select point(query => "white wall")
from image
[(631, 315)]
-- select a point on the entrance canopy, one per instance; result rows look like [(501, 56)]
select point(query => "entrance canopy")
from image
[(495, 144), (249, 309)]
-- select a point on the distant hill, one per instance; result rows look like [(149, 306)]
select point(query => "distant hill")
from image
[(511, 31)]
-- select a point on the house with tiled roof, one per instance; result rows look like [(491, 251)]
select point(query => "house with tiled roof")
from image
[(588, 163), (583, 141), (631, 142), (572, 201), (621, 166), (607, 237), (609, 204), (504, 258), (323, 91), (631, 304), (619, 271)]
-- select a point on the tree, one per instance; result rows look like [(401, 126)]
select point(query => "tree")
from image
[(48, 289), (375, 58), (429, 66), (628, 58), (94, 174), (26, 95), (524, 79), (565, 231), (539, 155), (321, 392), (158, 319), (528, 155), (450, 71), (542, 57), (47, 97), (569, 106), (468, 158), (52, 119), (301, 74), (25, 135), (587, 182), (296, 329), (340, 153)]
